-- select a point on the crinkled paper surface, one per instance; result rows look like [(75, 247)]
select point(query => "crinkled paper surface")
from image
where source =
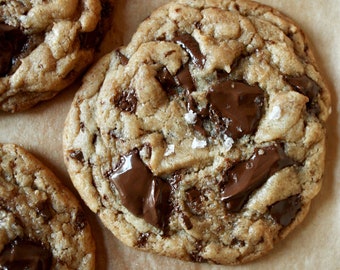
[(315, 244)]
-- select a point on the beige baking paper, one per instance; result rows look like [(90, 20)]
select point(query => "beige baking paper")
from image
[(315, 244)]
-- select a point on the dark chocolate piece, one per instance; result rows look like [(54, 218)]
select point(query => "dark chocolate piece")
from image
[(78, 155), (44, 210), (184, 79), (309, 88), (191, 46), (25, 254), (123, 59), (239, 103), (194, 201), (166, 80), (12, 42), (142, 239), (186, 221), (142, 193), (126, 101), (284, 211), (246, 176)]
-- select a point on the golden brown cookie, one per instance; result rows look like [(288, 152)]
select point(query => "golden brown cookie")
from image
[(42, 225), (45, 46), (204, 138)]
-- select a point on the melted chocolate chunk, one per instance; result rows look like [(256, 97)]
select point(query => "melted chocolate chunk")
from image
[(166, 80), (12, 42), (25, 254), (184, 79), (239, 103), (309, 88), (284, 211), (126, 101), (246, 176), (192, 47), (142, 193), (194, 201)]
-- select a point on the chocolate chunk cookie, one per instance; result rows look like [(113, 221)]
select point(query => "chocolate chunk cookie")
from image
[(45, 46), (42, 225), (204, 138)]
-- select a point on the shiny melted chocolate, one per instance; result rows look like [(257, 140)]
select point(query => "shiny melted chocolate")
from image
[(25, 254), (284, 211), (246, 176), (191, 46), (239, 104), (142, 193), (12, 42), (309, 88)]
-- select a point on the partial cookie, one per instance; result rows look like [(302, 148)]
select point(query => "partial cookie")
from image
[(42, 225), (45, 46), (204, 138)]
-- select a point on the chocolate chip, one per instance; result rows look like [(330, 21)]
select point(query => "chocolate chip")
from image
[(194, 256), (194, 201), (284, 211), (238, 103), (12, 41), (191, 46), (142, 193), (126, 101), (237, 242), (80, 221), (78, 155), (122, 58), (187, 221), (25, 254), (246, 176), (309, 88), (142, 239), (44, 210)]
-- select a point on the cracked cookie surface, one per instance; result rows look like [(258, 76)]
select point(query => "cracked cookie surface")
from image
[(42, 225), (203, 139), (45, 46)]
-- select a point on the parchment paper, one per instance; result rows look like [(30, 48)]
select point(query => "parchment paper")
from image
[(315, 244)]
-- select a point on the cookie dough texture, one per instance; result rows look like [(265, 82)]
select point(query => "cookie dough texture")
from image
[(204, 138), (35, 207), (45, 46)]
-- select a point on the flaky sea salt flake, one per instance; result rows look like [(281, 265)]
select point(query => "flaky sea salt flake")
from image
[(170, 149), (190, 117), (198, 144)]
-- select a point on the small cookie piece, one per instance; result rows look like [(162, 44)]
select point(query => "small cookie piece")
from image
[(45, 46), (42, 225), (204, 138)]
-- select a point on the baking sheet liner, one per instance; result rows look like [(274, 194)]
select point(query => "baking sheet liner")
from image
[(315, 244)]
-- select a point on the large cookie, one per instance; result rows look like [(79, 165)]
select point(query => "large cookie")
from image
[(45, 46), (204, 138), (42, 225)]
